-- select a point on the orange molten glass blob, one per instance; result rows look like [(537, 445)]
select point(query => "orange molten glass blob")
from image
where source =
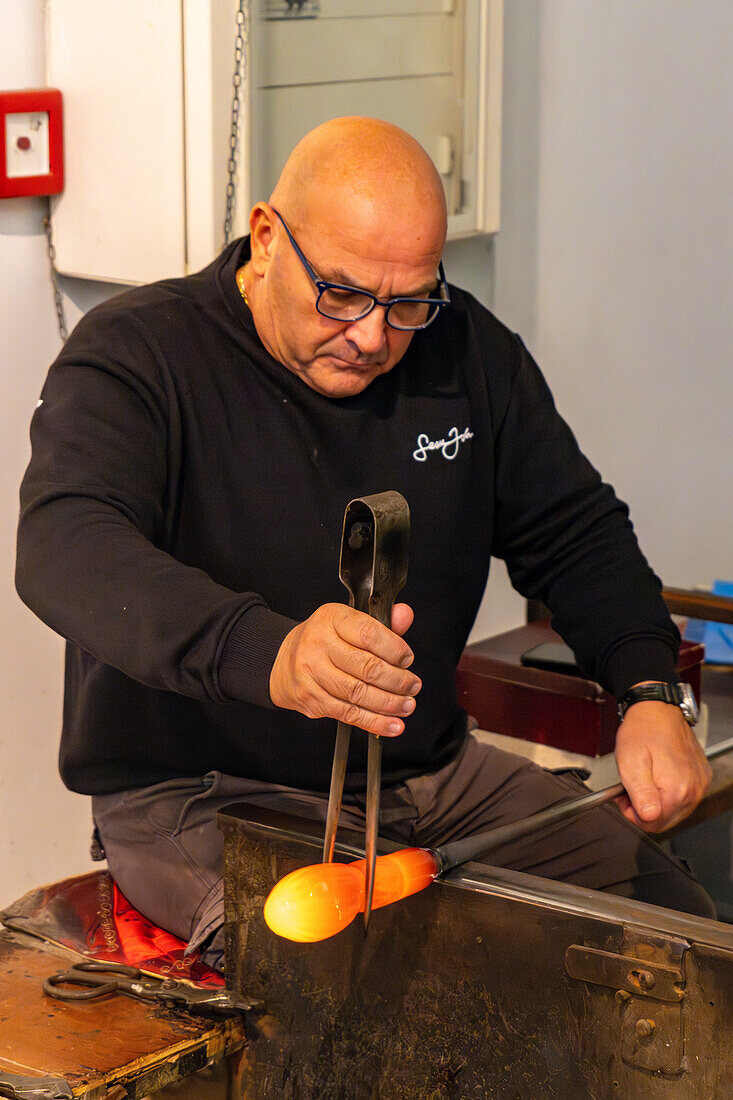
[(316, 902)]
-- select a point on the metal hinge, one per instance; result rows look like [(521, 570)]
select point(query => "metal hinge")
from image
[(649, 981)]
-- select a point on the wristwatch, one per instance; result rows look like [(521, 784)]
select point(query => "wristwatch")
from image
[(680, 695)]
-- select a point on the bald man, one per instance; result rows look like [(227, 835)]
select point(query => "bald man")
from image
[(195, 447)]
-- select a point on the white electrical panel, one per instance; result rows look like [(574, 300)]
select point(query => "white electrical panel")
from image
[(148, 112), (404, 65)]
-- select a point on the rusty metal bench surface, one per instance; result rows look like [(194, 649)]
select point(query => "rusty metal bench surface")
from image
[(470, 989)]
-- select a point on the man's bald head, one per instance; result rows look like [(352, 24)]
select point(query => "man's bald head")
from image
[(366, 171), (365, 210)]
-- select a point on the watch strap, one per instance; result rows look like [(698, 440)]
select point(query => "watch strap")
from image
[(664, 693)]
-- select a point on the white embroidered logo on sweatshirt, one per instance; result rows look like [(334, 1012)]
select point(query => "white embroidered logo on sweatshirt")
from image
[(448, 447)]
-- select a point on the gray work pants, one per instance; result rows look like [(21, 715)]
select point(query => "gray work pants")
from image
[(165, 852)]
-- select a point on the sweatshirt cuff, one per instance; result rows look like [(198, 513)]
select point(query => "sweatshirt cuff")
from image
[(249, 654), (639, 659)]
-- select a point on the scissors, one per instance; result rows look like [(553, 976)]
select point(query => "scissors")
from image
[(373, 567), (99, 979)]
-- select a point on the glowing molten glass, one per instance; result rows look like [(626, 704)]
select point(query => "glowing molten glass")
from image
[(316, 902)]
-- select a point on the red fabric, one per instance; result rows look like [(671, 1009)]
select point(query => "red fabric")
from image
[(90, 915)]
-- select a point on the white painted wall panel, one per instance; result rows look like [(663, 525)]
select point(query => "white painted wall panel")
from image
[(122, 214)]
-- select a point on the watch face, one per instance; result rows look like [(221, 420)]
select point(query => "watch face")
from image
[(688, 703)]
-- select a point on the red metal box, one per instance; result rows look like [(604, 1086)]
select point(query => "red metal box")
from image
[(551, 708)]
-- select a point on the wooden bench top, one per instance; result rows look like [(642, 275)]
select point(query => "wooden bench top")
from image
[(97, 1045)]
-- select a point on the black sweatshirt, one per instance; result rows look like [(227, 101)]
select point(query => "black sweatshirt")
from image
[(183, 509)]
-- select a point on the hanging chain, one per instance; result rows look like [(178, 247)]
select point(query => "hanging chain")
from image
[(60, 316), (240, 54)]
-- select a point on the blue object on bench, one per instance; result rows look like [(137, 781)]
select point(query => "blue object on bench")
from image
[(716, 637)]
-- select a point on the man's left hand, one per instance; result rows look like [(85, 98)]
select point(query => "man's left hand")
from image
[(662, 767)]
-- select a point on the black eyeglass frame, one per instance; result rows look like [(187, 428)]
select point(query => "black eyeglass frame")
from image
[(322, 285)]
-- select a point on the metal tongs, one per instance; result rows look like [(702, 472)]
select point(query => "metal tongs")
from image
[(99, 979), (373, 567)]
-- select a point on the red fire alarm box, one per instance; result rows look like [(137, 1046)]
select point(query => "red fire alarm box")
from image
[(31, 143)]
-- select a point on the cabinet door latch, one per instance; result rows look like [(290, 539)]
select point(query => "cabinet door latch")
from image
[(649, 997)]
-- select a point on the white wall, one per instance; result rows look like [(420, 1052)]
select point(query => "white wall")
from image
[(612, 261), (615, 253), (44, 830), (631, 150)]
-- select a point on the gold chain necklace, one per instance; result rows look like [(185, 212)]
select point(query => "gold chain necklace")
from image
[(240, 284)]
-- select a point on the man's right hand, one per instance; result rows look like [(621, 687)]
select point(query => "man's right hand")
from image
[(343, 664)]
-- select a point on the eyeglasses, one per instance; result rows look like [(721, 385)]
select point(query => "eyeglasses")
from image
[(349, 303)]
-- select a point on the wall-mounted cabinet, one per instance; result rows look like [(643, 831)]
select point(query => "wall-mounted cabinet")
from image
[(148, 89)]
